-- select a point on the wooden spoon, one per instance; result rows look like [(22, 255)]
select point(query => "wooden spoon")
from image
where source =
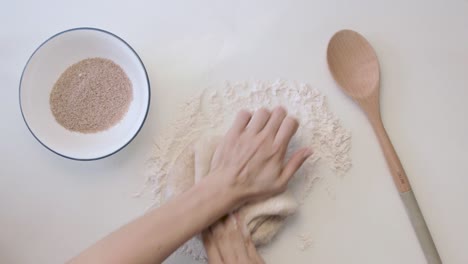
[(355, 67)]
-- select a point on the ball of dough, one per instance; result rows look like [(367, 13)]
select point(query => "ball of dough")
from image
[(263, 219)]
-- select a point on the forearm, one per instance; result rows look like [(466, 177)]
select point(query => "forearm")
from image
[(154, 236)]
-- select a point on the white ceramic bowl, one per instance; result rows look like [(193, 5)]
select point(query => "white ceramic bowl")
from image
[(45, 66)]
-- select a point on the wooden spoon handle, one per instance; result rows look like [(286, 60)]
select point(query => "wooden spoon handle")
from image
[(407, 196), (394, 164), (420, 228)]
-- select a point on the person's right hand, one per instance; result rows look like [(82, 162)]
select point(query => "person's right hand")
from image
[(250, 160), (226, 243)]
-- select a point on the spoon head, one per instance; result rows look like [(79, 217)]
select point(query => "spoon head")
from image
[(353, 64)]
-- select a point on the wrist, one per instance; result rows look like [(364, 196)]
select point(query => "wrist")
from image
[(221, 191)]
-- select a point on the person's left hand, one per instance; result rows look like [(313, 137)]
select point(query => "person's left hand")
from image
[(226, 243)]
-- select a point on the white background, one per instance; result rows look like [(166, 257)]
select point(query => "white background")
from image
[(51, 208)]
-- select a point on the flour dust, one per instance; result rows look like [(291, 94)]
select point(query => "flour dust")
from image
[(214, 109)]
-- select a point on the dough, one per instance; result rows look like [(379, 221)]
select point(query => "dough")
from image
[(263, 219)]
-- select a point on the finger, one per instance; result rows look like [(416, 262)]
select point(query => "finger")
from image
[(259, 120), (286, 131), (294, 163), (224, 243), (241, 121), (217, 229), (253, 253), (277, 116), (240, 218), (232, 247), (211, 249), (215, 258), (236, 232), (237, 240)]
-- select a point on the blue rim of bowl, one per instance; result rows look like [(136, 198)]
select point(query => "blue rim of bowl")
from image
[(147, 81)]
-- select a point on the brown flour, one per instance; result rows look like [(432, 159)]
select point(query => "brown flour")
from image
[(91, 95)]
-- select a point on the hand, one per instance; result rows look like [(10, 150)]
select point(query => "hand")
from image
[(225, 243), (250, 159), (248, 164)]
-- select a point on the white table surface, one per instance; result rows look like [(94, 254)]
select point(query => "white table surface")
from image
[(51, 207)]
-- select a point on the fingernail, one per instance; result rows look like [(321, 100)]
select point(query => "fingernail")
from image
[(233, 220)]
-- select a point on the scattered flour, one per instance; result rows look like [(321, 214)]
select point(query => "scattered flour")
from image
[(305, 241), (215, 109)]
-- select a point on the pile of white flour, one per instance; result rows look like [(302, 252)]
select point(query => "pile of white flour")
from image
[(214, 110)]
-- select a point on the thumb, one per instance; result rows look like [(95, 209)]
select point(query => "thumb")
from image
[(294, 163)]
